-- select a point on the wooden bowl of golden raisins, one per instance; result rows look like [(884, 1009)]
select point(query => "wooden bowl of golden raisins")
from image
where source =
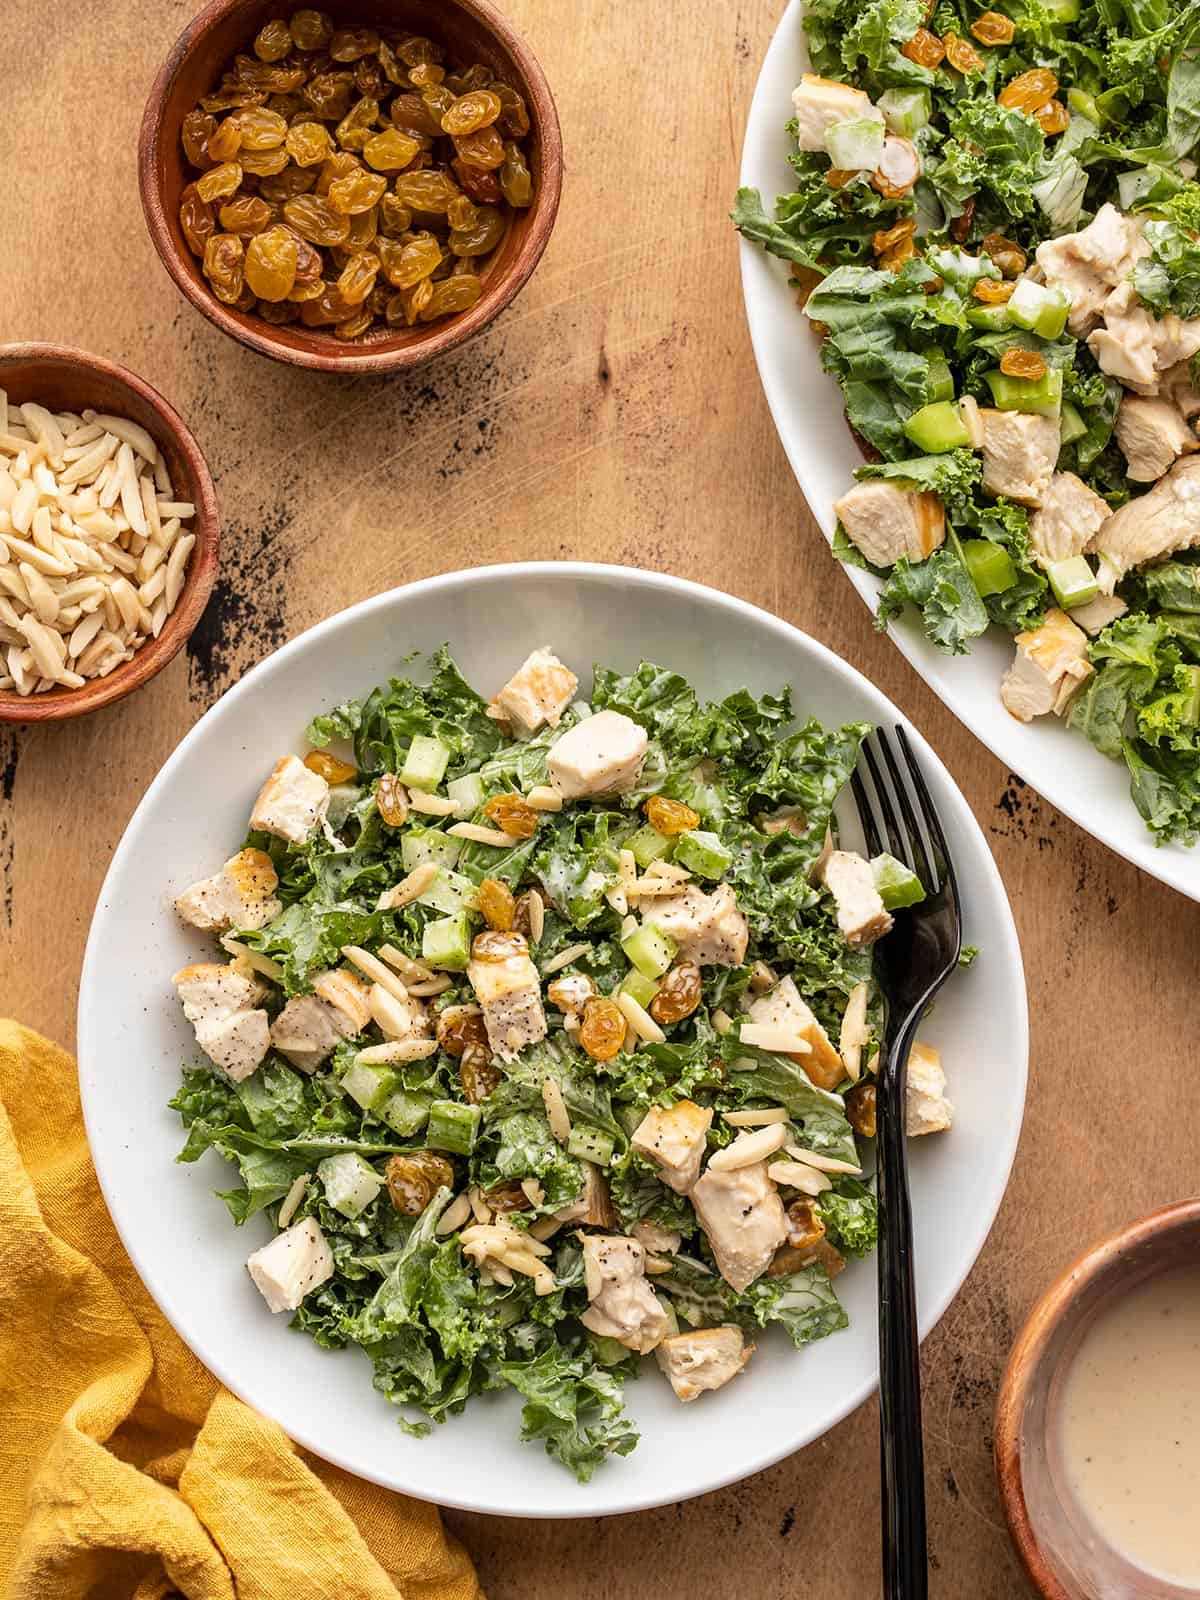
[(352, 189)]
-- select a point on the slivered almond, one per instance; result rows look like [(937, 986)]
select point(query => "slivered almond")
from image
[(640, 1020), (478, 834), (397, 1050), (855, 1032), (411, 971), (425, 991), (253, 958), (771, 1036), (556, 1109), (537, 917), (408, 889), (431, 805), (371, 967), (722, 1021), (544, 1228), (564, 958), (761, 1117), (813, 1158), (749, 1148), (455, 1214), (291, 1201), (799, 1175), (543, 798), (533, 1192)]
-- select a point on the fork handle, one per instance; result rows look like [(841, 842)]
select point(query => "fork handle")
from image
[(902, 1452)]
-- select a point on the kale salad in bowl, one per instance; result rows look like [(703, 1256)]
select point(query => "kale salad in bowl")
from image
[(991, 221), (527, 1024)]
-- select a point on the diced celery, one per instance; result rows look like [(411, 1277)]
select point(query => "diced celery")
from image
[(406, 1113), (855, 145), (449, 892), (350, 1183), (419, 845), (937, 428), (447, 943), (453, 1127), (649, 845), (703, 852), (1073, 582), (939, 384), (1191, 711), (1037, 309), (1083, 104), (368, 1085), (1037, 396), (991, 319), (650, 950), (905, 111), (590, 1144), (990, 565), (425, 764), (1073, 425), (896, 884), (467, 793), (642, 988)]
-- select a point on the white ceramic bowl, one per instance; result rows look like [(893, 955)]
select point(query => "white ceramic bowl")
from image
[(132, 1039), (806, 404)]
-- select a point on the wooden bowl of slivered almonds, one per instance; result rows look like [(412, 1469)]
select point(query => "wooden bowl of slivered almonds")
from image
[(108, 532), (354, 189)]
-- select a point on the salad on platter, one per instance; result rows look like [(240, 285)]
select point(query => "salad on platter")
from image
[(543, 1033), (994, 228)]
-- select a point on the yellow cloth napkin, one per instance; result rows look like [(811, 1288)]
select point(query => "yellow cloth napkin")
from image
[(126, 1471)]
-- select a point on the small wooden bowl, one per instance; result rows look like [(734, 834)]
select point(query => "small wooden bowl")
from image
[(1063, 1553), (71, 380), (472, 30)]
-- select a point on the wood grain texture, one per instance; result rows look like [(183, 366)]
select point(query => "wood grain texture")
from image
[(612, 413)]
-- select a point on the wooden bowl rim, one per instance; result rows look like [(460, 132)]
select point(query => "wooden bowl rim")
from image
[(1026, 1356), (60, 704), (355, 360)]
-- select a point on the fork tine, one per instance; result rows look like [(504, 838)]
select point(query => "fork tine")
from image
[(920, 861), (866, 814), (895, 838), (928, 811)]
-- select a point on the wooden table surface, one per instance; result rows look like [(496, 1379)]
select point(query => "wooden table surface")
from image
[(613, 414)]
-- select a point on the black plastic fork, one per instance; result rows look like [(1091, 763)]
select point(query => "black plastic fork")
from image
[(912, 962)]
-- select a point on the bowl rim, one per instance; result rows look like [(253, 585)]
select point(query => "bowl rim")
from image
[(1049, 1313), (1003, 940), (355, 360), (155, 654)]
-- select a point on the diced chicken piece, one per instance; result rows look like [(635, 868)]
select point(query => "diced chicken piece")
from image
[(537, 693), (886, 522), (820, 103), (926, 1109), (1153, 435), (1050, 665), (707, 928), (1098, 613), (784, 1007), (241, 895), (600, 755), (743, 1219), (1068, 518), (223, 1007), (1019, 454), (702, 1359), (621, 1304), (675, 1139), (594, 1206), (510, 995), (1176, 383), (656, 1240), (309, 1027), (861, 914), (292, 803), (296, 1262), (1127, 346), (1156, 525), (1089, 264)]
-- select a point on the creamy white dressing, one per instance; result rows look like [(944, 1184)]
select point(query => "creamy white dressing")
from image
[(1130, 1425)]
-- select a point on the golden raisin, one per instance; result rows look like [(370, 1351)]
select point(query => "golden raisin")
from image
[(271, 259), (425, 191), (805, 1228), (414, 1178), (483, 237), (860, 1109), (896, 255), (263, 163), (329, 767), (224, 266), (196, 220), (358, 191), (1006, 254), (247, 214), (569, 995), (1029, 91), (390, 151), (496, 904), (602, 1031), (499, 945), (512, 815), (273, 41), (195, 131), (670, 817), (260, 129), (993, 28), (348, 44), (992, 291), (887, 237), (507, 1197), (354, 129), (960, 228), (516, 181), (358, 277), (484, 148), (678, 994), (962, 56), (458, 1027), (287, 185), (411, 115), (477, 1075), (310, 30), (328, 93), (458, 293), (391, 800), (314, 219), (1022, 364), (471, 112), (839, 177), (514, 116), (925, 48), (226, 141), (483, 187), (1053, 118), (220, 181), (308, 143)]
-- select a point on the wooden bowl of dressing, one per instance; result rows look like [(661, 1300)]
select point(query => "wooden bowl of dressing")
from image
[(1097, 1438)]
